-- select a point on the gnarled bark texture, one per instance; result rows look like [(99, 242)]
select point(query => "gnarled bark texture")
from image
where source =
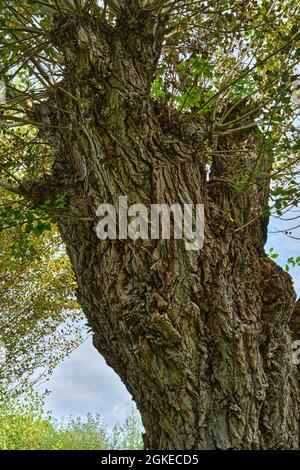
[(199, 338)]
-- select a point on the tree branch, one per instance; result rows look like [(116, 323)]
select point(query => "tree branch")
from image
[(10, 188)]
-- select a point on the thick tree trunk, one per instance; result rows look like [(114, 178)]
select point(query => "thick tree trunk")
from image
[(199, 338)]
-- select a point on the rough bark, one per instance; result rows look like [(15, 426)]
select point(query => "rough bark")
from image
[(200, 339)]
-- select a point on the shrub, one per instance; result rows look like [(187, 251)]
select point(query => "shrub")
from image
[(24, 425)]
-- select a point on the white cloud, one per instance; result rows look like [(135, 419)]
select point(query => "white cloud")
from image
[(84, 383)]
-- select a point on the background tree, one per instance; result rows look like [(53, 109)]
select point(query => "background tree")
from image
[(168, 101), (40, 320)]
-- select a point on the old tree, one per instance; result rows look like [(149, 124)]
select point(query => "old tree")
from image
[(166, 102)]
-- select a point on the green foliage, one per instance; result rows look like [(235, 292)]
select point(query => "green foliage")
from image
[(292, 262), (127, 436), (25, 425), (40, 320), (78, 434), (272, 254)]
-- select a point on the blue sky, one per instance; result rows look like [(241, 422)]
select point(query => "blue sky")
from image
[(83, 382), (286, 247)]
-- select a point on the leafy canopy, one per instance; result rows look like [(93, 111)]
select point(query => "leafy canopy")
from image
[(231, 62)]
